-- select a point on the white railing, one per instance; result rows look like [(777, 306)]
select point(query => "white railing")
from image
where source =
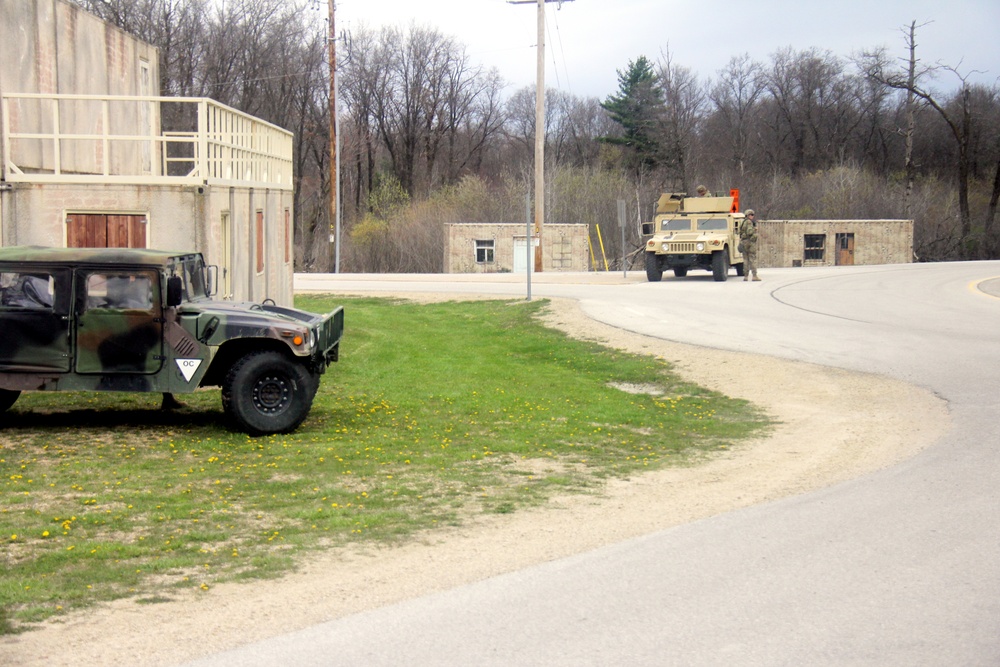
[(140, 140)]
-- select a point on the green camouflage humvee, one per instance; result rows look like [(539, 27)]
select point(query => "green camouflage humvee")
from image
[(111, 319), (694, 233)]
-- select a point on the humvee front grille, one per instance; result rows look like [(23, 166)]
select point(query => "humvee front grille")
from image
[(683, 247), (330, 330)]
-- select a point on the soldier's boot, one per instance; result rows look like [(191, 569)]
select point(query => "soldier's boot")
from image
[(756, 277), (746, 277)]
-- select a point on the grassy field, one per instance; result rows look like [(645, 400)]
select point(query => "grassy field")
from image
[(435, 413)]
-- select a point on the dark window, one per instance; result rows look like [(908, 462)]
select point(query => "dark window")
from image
[(35, 291), (484, 251), (815, 244)]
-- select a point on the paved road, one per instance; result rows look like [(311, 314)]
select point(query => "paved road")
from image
[(900, 567)]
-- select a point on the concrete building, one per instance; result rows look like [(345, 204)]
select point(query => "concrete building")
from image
[(92, 156), (502, 248), (834, 242)]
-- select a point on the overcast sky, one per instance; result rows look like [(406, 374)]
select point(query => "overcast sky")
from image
[(589, 40)]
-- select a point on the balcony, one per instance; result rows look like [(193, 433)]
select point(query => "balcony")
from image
[(140, 141)]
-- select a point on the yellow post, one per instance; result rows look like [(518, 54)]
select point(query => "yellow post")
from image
[(601, 241)]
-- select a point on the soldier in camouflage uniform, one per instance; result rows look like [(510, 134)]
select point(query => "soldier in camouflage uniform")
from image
[(748, 244)]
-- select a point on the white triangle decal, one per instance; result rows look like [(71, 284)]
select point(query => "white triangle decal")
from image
[(188, 367)]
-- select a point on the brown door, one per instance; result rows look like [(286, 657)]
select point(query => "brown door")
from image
[(100, 230), (845, 249)]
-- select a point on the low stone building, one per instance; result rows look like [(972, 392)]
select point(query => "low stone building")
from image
[(502, 247), (834, 242)]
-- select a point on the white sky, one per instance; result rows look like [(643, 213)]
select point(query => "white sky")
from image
[(589, 40)]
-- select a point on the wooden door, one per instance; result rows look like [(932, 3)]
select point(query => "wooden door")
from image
[(102, 230), (845, 249)]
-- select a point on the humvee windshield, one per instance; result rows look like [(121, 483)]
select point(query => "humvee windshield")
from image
[(675, 225), (191, 269), (710, 224)]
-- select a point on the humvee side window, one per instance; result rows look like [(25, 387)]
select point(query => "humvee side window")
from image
[(119, 290), (709, 224), (676, 225), (35, 291)]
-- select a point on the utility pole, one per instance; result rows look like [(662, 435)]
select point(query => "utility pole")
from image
[(539, 126), (334, 153)]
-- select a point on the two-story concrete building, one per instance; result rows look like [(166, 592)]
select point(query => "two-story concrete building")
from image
[(92, 156)]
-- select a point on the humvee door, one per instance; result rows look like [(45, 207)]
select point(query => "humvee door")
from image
[(34, 319), (119, 325)]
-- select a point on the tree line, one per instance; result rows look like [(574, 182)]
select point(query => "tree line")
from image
[(429, 136)]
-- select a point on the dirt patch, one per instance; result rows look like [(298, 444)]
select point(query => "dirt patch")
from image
[(833, 426)]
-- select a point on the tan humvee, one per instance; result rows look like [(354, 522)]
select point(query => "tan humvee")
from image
[(694, 233)]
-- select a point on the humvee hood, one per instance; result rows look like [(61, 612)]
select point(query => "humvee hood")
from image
[(247, 310)]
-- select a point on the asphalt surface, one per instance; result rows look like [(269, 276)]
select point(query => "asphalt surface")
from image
[(899, 567)]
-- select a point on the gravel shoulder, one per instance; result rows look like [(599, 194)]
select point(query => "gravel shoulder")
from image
[(833, 426)]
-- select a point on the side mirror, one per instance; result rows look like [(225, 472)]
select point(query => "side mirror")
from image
[(648, 228), (175, 289), (212, 280)]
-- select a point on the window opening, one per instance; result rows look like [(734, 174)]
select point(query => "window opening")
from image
[(814, 246), (485, 250)]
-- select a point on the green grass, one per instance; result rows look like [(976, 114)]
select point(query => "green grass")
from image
[(435, 413)]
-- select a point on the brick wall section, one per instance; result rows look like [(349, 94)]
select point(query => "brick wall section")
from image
[(782, 242)]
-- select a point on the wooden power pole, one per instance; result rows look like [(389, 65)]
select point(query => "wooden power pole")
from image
[(539, 126), (334, 153)]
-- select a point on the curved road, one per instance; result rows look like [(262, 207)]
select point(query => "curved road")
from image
[(900, 567)]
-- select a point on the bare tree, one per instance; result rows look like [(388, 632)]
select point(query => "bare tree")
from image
[(474, 116), (878, 60), (958, 116), (736, 96), (418, 93), (684, 102), (572, 127), (815, 109)]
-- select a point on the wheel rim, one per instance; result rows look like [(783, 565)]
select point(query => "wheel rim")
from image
[(272, 394)]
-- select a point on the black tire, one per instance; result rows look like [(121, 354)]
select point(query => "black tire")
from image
[(266, 392), (681, 272), (654, 269), (720, 265), (741, 269), (7, 398)]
